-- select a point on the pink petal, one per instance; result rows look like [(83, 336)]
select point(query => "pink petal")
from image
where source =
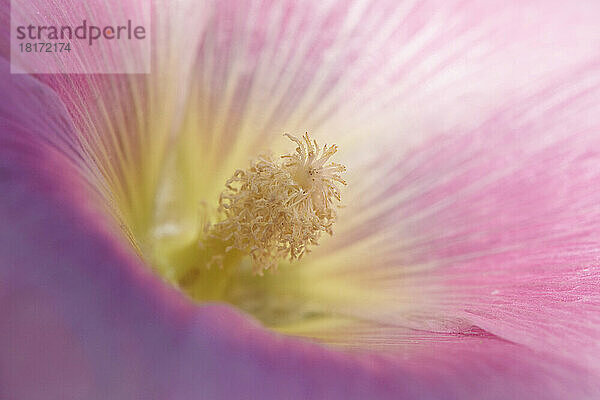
[(395, 70), (123, 137), (507, 215), (84, 318), (493, 229), (247, 71)]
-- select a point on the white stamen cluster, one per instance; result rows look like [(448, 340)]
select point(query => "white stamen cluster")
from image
[(276, 209)]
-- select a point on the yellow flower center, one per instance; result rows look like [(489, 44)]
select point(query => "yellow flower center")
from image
[(272, 213)]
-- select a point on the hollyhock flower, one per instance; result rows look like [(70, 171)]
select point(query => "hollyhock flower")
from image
[(464, 263)]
